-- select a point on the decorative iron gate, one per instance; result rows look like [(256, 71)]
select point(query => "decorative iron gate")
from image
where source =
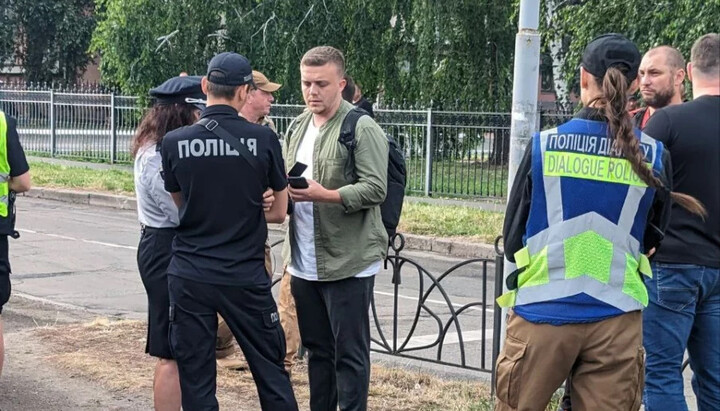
[(433, 327)]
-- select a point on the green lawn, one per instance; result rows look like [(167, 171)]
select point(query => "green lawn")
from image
[(123, 157), (81, 178), (417, 218), (450, 178), (451, 221), (458, 178)]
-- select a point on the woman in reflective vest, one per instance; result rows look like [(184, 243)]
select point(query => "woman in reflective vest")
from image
[(590, 201)]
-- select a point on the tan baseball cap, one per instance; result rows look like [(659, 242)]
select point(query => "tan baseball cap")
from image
[(262, 82)]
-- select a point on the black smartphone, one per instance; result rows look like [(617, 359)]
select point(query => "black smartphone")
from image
[(297, 182), (653, 236), (297, 169)]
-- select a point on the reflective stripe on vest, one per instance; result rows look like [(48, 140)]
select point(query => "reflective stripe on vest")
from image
[(4, 168), (588, 253)]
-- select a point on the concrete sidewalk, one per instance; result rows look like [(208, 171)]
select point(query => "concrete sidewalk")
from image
[(446, 246)]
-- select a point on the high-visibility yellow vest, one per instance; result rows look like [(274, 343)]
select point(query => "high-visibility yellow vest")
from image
[(4, 168), (588, 216)]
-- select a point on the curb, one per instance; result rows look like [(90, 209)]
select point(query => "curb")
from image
[(413, 242), (448, 246), (83, 197)]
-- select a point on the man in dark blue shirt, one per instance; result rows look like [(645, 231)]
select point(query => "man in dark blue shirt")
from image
[(217, 172)]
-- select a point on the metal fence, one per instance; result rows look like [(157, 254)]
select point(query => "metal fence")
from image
[(449, 154), (470, 328), (424, 319), (83, 125)]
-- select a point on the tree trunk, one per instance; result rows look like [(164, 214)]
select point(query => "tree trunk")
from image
[(558, 59)]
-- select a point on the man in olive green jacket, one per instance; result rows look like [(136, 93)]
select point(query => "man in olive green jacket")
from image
[(336, 240)]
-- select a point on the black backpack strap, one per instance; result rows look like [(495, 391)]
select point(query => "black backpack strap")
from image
[(347, 138), (215, 128), (347, 129)]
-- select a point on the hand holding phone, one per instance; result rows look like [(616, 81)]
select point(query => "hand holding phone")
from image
[(297, 182), (295, 178)]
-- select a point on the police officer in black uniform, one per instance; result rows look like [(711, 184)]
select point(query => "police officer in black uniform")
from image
[(216, 172), (14, 178)]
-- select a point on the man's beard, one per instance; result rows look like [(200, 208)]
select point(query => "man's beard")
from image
[(661, 98)]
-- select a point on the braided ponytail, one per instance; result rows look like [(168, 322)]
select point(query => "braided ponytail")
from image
[(614, 86)]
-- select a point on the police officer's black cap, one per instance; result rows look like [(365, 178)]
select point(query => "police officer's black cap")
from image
[(229, 69), (180, 90), (611, 50)]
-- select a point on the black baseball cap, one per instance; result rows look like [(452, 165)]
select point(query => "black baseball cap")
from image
[(181, 89), (229, 69), (611, 50)]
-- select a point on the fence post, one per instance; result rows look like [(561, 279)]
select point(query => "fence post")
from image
[(53, 131), (113, 130), (539, 123), (428, 154)]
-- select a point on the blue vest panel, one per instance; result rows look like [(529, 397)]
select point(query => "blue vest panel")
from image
[(614, 193)]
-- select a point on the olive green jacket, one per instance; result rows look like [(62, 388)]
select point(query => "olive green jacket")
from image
[(348, 236)]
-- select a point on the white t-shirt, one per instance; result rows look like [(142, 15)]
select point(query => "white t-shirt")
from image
[(304, 262)]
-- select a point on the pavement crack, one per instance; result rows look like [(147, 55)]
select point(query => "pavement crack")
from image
[(53, 274)]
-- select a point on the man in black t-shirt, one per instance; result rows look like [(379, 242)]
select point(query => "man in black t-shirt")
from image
[(684, 292), (218, 264), (14, 178)]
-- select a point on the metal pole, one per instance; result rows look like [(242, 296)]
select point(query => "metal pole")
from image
[(428, 154), (498, 319), (53, 131), (525, 97), (113, 130)]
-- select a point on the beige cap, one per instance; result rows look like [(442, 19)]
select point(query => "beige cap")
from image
[(262, 82)]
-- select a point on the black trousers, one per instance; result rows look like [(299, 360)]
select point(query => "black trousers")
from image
[(5, 286), (335, 329), (252, 316), (153, 257)]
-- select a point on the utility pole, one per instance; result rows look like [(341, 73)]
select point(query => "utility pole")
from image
[(524, 103)]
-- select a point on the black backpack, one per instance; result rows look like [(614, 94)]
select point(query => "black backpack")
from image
[(391, 208)]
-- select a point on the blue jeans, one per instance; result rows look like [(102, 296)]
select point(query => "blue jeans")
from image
[(684, 312)]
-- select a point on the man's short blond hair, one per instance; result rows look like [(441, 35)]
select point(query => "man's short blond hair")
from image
[(322, 55)]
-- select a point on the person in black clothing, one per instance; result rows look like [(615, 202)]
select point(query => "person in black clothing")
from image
[(216, 172), (348, 93), (361, 102), (353, 94), (684, 309), (14, 178)]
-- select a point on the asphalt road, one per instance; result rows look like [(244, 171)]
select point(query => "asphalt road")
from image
[(83, 257), (80, 257)]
